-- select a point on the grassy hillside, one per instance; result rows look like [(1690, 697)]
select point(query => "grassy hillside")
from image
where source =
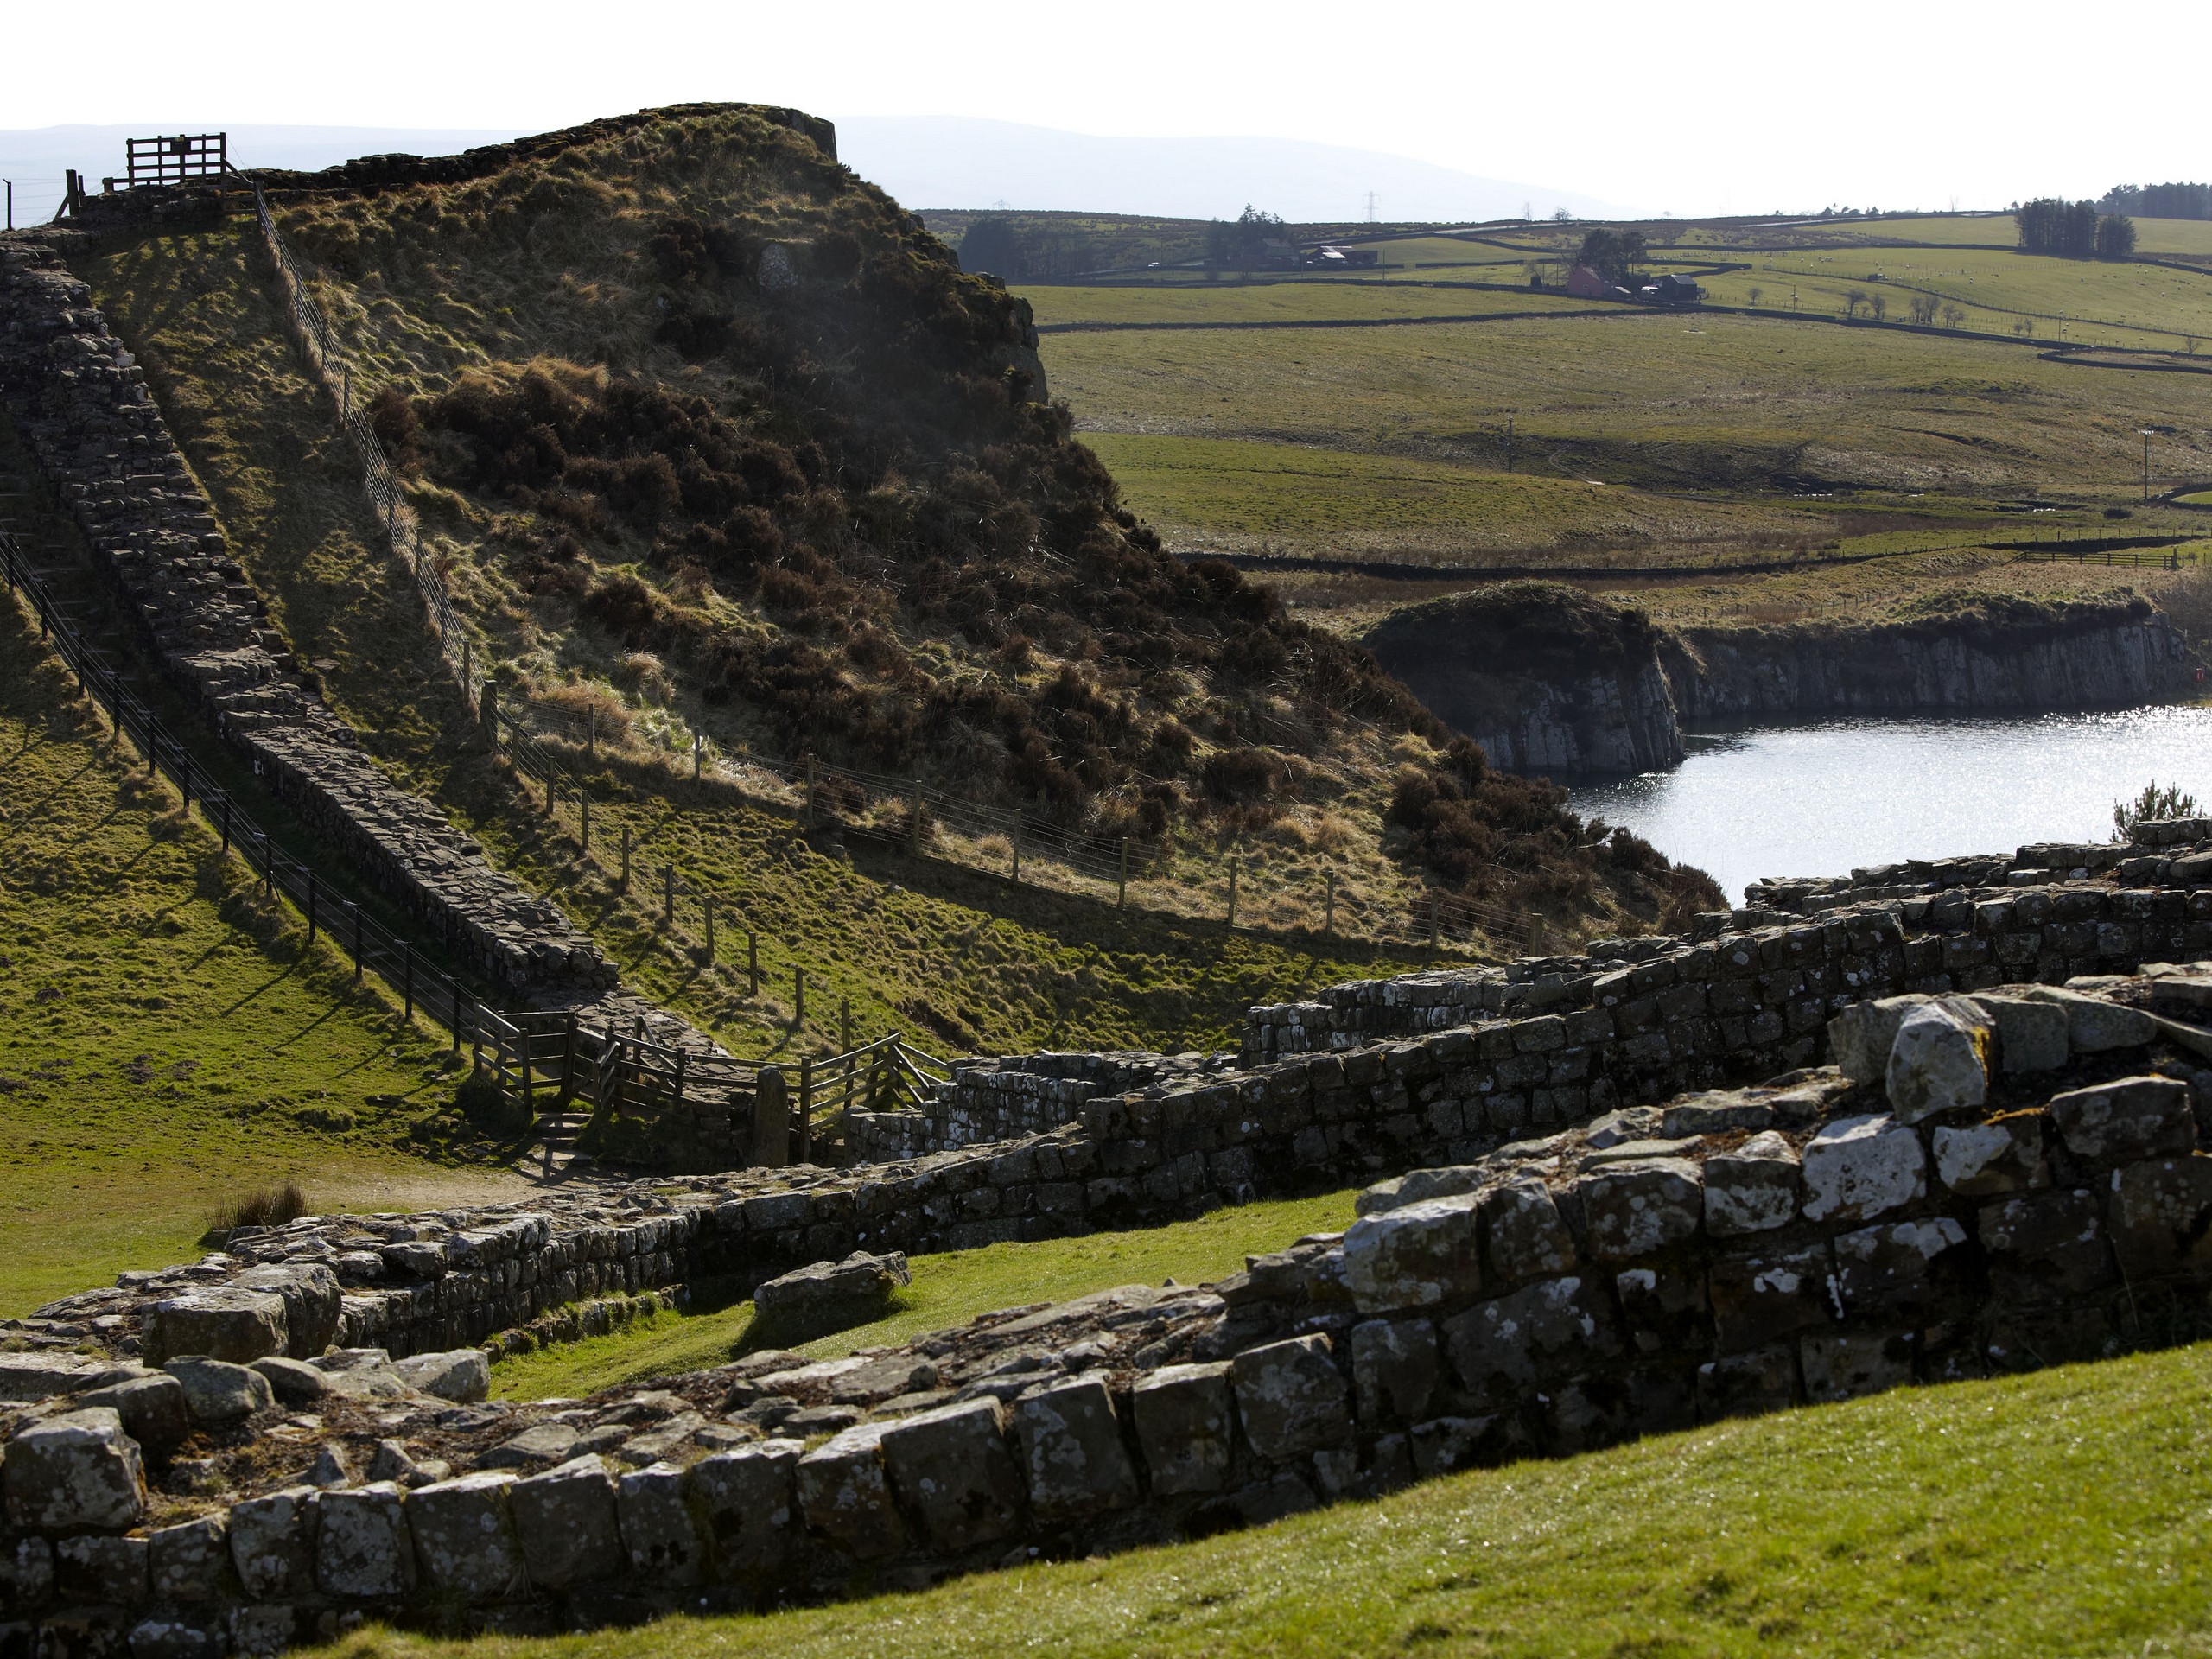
[(2059, 1514), (805, 517), (165, 1043)]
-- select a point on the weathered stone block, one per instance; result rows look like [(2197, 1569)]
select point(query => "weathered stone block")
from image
[(2004, 1155), (464, 1536), (93, 1567), (1753, 1189), (189, 1562), (28, 1377), (273, 1543), (1857, 1168), (362, 1551), (2092, 1024), (655, 1521), (747, 1501), (1072, 1452), (1290, 1397), (1416, 1256), (293, 1381), (26, 1573), (845, 1497), (1662, 1309), (152, 1407), (461, 1374), (216, 1393), (1394, 1368), (1183, 1424), (1550, 1327), (224, 1323), (1842, 1365), (1939, 1062), (565, 1522), (1759, 1298), (313, 1302), (1526, 1234), (2046, 1246), (1887, 1265), (857, 1288), (2125, 1122), (177, 1638), (951, 1469), (2158, 1209), (2031, 1035), (1644, 1204), (1861, 1037), (74, 1470)]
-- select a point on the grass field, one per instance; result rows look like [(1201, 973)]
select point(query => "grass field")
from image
[(1324, 299), (948, 1291), (2059, 1514), (165, 1045)]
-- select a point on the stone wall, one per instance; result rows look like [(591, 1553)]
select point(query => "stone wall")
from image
[(1002, 1099), (1990, 1184)]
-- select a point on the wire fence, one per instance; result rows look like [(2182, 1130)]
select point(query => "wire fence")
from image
[(1182, 879), (422, 987)]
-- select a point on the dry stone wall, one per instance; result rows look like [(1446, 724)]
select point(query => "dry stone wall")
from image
[(1004, 1099), (1987, 1183)]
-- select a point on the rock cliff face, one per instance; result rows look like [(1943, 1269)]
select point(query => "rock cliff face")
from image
[(1544, 677), (1998, 657), (1549, 679)]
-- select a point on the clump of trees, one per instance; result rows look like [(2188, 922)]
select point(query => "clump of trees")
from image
[(1612, 254), (1241, 242), (2073, 230), (2160, 200)]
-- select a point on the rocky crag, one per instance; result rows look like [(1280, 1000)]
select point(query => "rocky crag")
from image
[(1984, 1183), (1549, 679)]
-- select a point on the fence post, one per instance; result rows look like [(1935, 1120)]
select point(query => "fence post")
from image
[(356, 944), (697, 742), (710, 930), (1122, 882), (468, 670), (407, 979), (668, 894), (751, 963), (809, 793), (625, 884), (311, 895), (1329, 911), (1017, 849), (771, 1118), (914, 828), (1232, 891), (457, 1016), (227, 825)]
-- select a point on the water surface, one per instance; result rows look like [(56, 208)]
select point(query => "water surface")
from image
[(1821, 798)]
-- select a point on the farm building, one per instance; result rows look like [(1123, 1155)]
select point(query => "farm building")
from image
[(1585, 284), (1328, 258)]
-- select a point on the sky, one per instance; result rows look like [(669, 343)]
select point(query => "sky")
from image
[(1725, 107)]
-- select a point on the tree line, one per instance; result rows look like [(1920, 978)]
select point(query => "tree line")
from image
[(2073, 230), (2160, 200)]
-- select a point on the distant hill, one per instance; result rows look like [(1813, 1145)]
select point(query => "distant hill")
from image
[(956, 162)]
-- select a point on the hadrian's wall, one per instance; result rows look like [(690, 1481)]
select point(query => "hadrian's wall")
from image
[(1989, 1184)]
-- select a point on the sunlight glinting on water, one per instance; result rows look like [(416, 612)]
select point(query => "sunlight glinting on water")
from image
[(1821, 799)]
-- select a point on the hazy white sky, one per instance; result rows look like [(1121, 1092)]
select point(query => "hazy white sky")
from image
[(1718, 107)]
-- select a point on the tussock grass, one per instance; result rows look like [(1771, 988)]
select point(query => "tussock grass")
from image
[(267, 1206)]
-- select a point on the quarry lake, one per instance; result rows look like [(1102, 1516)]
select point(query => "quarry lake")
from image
[(1821, 798)]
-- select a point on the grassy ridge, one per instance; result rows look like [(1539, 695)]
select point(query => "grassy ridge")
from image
[(165, 1043), (948, 1291), (2057, 1513)]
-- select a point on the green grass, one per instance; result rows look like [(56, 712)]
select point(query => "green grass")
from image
[(164, 1042), (2059, 1514), (1320, 299), (2195, 498), (947, 1290)]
